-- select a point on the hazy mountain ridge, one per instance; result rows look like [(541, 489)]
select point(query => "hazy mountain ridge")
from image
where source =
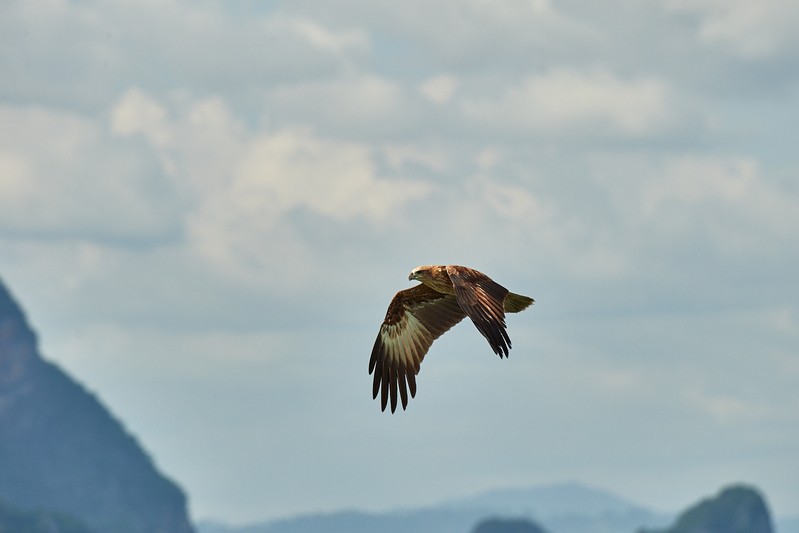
[(500, 525), (62, 451), (556, 508), (562, 508)]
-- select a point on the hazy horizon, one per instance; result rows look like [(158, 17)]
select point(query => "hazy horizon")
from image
[(206, 207)]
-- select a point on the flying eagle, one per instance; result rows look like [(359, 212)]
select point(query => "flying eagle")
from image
[(419, 315)]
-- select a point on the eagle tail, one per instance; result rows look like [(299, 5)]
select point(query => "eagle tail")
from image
[(516, 302)]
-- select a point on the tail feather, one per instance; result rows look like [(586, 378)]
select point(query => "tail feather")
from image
[(516, 302)]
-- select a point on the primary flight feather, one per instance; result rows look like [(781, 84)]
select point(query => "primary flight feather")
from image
[(419, 315)]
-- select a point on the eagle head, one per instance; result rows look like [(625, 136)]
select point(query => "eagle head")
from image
[(418, 273)]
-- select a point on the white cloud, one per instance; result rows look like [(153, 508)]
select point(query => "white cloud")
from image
[(60, 176), (752, 30), (344, 106), (84, 53), (725, 408), (136, 113), (240, 185), (516, 203), (333, 178), (691, 180), (431, 157), (586, 102), (241, 225), (327, 39), (726, 200), (478, 33), (439, 89)]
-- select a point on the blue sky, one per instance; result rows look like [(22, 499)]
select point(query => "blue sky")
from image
[(205, 208)]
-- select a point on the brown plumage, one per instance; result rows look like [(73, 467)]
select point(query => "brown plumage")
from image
[(419, 315)]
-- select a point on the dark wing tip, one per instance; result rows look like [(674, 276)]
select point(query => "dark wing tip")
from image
[(415, 318), (483, 300)]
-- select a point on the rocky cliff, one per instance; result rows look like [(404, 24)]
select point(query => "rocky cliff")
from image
[(61, 450)]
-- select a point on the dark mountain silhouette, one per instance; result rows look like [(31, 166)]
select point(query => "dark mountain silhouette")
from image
[(507, 525), (736, 509), (13, 520), (62, 451)]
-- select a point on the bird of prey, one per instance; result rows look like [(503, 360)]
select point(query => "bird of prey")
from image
[(419, 315)]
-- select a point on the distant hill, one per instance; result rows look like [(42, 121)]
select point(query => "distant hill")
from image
[(565, 508), (736, 509), (62, 451), (507, 525)]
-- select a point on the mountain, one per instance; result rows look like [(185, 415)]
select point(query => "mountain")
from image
[(13, 520), (417, 521), (502, 525), (736, 509), (566, 508), (563, 508), (62, 451)]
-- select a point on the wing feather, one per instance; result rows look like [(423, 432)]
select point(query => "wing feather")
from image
[(411, 377), (403, 389), (415, 318), (482, 299)]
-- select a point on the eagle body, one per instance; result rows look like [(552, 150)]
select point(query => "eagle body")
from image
[(419, 315)]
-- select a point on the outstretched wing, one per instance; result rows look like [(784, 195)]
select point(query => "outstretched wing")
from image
[(415, 318), (482, 299)]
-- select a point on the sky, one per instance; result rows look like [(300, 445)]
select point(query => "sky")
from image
[(206, 207)]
